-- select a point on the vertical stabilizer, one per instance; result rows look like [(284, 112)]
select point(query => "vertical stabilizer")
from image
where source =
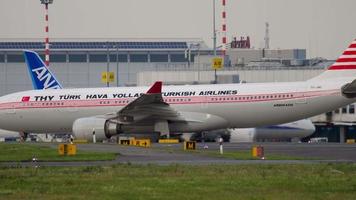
[(344, 67), (41, 76)]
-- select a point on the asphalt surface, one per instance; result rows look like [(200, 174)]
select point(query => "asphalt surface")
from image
[(166, 154)]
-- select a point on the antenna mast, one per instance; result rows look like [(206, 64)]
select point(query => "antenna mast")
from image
[(267, 38)]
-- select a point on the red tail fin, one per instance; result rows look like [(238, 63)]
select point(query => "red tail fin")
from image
[(347, 60)]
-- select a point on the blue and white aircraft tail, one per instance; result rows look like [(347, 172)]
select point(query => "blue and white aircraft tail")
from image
[(42, 77)]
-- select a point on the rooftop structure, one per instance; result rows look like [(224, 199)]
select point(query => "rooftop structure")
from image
[(93, 45)]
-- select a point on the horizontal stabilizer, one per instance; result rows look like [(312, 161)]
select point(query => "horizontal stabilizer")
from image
[(349, 90)]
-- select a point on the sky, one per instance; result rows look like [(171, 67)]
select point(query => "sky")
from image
[(323, 27)]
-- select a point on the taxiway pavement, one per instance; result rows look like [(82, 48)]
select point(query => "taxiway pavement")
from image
[(166, 154)]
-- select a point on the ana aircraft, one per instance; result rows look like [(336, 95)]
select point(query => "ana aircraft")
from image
[(110, 111), (294, 130), (41, 76)]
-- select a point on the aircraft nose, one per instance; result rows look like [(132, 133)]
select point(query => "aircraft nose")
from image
[(311, 126)]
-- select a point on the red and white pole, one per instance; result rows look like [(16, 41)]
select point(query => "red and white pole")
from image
[(47, 36), (224, 27)]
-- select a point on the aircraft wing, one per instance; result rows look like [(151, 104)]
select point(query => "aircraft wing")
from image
[(149, 106)]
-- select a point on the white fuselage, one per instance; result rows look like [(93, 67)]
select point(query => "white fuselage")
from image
[(298, 129), (241, 105), (8, 134)]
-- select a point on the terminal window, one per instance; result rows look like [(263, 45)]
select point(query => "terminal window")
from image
[(178, 58), (344, 110), (351, 109), (159, 57), (58, 58), (98, 58), (138, 58), (15, 58), (78, 58), (122, 58)]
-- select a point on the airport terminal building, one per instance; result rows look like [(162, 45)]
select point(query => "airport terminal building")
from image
[(80, 64), (174, 61)]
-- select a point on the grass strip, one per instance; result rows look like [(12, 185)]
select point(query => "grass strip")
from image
[(25, 152), (125, 181)]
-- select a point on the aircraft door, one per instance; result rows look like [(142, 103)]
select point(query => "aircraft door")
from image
[(73, 108), (11, 110), (204, 102), (301, 94)]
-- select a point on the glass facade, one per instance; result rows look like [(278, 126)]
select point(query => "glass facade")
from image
[(101, 57), (178, 58), (77, 58), (138, 58), (98, 58), (15, 58), (122, 58), (58, 58), (159, 57)]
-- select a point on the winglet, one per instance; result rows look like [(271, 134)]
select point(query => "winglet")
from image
[(156, 88)]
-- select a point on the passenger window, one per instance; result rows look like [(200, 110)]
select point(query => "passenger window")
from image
[(344, 110), (351, 109)]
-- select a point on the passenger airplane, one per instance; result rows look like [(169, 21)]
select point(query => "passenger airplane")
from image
[(282, 132), (110, 111), (4, 134), (299, 129), (43, 78)]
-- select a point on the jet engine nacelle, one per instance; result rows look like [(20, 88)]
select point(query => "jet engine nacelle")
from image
[(83, 128)]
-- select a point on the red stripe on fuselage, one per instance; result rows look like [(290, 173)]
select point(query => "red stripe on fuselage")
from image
[(342, 67)]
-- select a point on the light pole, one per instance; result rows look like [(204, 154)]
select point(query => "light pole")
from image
[(117, 64), (107, 65), (214, 29), (46, 2), (214, 39)]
